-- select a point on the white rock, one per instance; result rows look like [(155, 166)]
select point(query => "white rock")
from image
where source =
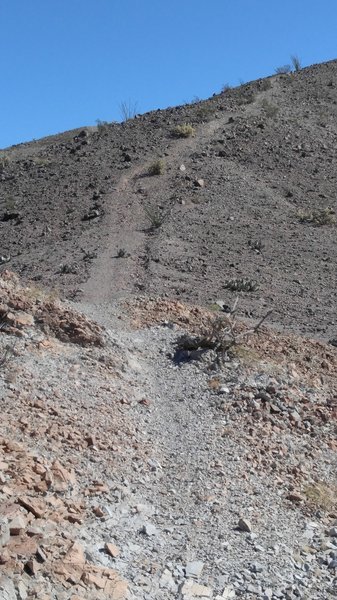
[(149, 529), (4, 532), (191, 590), (194, 568)]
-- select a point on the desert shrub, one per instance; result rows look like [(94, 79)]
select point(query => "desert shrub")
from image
[(319, 495), (156, 217), (42, 161), (4, 161), (295, 61), (320, 217), (283, 70), (220, 333), (184, 131), (241, 285), (122, 253), (225, 88), (128, 110), (102, 126), (157, 168)]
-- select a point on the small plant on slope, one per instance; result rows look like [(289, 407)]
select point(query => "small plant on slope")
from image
[(323, 216), (157, 168), (296, 62), (184, 131)]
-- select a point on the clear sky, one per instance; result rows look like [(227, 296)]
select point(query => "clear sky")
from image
[(66, 63)]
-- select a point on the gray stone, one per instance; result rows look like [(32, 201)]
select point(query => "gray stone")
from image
[(256, 568), (167, 582), (227, 594), (332, 564), (7, 589), (194, 568), (244, 525), (21, 591), (223, 389), (149, 529), (333, 532), (253, 589), (191, 590)]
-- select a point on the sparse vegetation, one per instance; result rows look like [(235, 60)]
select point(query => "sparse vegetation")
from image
[(6, 353), (122, 253), (102, 126), (295, 61), (321, 496), (4, 161), (283, 70), (128, 110), (42, 161), (320, 217), (220, 333), (156, 217), (241, 285), (185, 130), (157, 168), (225, 88)]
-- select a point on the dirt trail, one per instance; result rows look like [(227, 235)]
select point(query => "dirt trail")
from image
[(185, 497), (111, 277)]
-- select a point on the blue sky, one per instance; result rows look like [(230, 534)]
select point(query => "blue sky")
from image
[(66, 63)]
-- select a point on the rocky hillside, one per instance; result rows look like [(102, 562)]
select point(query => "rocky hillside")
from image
[(247, 202), (134, 468), (168, 352)]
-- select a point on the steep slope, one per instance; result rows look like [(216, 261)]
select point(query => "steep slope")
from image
[(265, 153)]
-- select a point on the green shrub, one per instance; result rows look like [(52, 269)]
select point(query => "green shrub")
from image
[(241, 285), (184, 131), (157, 168), (155, 216), (320, 217)]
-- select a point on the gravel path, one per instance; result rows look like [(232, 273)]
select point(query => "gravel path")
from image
[(178, 523)]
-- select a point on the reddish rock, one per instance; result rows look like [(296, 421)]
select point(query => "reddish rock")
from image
[(35, 506), (112, 550)]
